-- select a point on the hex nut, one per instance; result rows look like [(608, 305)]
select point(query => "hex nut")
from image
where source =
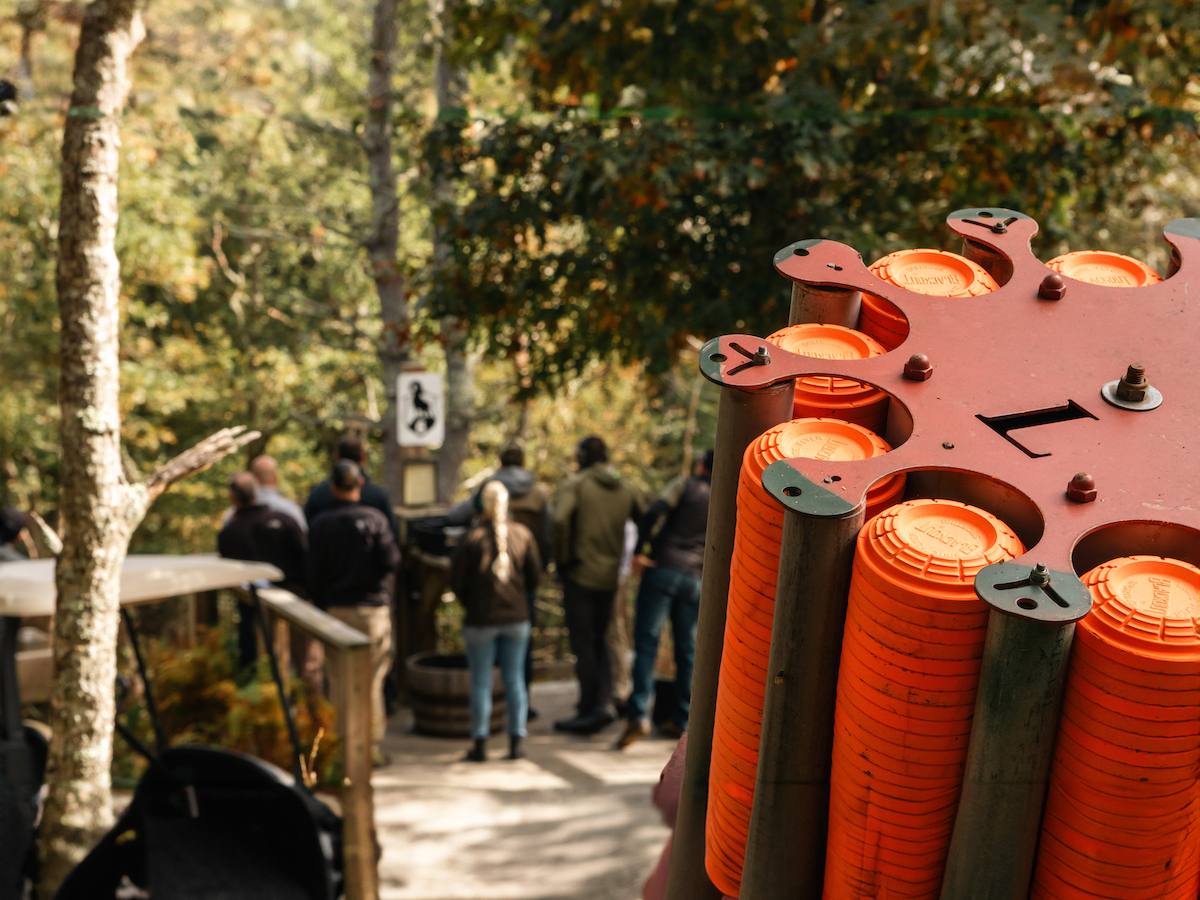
[(1053, 287), (918, 368), (1082, 488), (1132, 387)]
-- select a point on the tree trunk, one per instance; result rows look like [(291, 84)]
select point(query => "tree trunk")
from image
[(384, 240), (93, 512), (31, 17), (460, 407), (99, 508), (449, 87)]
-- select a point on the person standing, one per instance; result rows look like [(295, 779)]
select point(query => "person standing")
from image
[(256, 533), (670, 588), (490, 573), (323, 496), (12, 523), (265, 472), (589, 537), (529, 504), (352, 559)]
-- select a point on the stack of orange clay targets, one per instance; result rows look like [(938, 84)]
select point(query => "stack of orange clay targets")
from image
[(1122, 817), (826, 396), (753, 572), (1102, 267), (933, 272), (911, 657)]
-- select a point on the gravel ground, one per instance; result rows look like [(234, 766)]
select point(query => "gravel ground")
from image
[(573, 821)]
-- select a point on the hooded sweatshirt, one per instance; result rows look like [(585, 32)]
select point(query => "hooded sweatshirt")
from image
[(528, 503), (589, 526), (486, 599)]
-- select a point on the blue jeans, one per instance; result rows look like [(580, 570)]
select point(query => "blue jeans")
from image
[(664, 592), (487, 645)]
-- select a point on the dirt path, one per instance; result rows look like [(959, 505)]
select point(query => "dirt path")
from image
[(573, 821)]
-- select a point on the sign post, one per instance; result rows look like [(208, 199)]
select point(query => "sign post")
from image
[(421, 424)]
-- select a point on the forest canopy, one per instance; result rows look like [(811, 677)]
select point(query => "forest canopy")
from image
[(621, 174)]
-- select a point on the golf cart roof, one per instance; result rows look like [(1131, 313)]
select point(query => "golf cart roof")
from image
[(27, 587)]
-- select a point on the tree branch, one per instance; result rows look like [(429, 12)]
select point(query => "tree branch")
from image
[(49, 535), (209, 451), (324, 128)]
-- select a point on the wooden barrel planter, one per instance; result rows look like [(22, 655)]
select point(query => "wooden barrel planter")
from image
[(440, 688)]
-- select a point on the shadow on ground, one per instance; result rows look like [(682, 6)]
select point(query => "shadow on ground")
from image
[(573, 821)]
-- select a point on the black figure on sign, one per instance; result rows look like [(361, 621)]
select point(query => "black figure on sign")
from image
[(424, 419)]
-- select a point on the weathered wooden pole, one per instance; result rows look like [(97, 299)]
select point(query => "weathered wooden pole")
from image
[(741, 417), (1021, 683), (785, 849), (820, 303)]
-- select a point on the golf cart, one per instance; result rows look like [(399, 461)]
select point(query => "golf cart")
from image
[(204, 822)]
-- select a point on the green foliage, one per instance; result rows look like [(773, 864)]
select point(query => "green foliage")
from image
[(681, 144), (200, 702), (625, 171), (245, 294)]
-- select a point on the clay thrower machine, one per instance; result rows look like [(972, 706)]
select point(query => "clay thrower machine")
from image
[(1067, 409)]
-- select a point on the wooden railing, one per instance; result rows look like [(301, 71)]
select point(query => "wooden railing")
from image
[(348, 667)]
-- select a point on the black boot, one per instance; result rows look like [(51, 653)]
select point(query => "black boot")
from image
[(478, 753), (515, 751)]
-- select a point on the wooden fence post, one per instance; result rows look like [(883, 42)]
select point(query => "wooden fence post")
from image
[(350, 690), (348, 666)]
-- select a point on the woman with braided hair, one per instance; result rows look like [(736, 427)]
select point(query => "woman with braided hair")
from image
[(491, 572)]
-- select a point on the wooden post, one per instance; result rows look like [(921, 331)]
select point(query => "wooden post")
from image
[(994, 843), (785, 849), (350, 689), (348, 664), (741, 417)]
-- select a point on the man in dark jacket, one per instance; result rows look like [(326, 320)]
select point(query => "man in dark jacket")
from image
[(352, 559), (12, 523), (257, 533), (322, 497), (670, 587), (589, 541), (528, 500)]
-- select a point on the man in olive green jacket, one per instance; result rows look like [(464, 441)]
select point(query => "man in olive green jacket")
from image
[(590, 511)]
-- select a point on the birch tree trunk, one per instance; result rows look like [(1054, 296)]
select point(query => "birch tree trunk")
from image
[(98, 509), (384, 240)]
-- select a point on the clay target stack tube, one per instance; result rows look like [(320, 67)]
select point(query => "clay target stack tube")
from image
[(827, 396), (1122, 817), (753, 572), (911, 657), (1103, 267), (933, 272)]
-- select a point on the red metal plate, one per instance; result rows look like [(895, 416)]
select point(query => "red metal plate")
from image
[(1010, 352)]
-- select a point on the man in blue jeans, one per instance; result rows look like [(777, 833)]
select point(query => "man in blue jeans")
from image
[(674, 528)]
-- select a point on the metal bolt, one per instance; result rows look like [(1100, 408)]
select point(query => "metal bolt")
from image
[(1082, 488), (1040, 574), (1053, 287), (1133, 386), (918, 368), (762, 356)]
